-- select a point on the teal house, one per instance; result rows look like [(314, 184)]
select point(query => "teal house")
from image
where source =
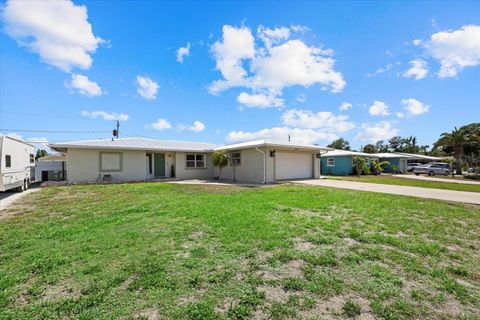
[(394, 159), (340, 162)]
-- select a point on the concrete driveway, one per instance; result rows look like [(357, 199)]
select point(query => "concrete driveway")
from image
[(9, 197), (438, 194), (427, 178)]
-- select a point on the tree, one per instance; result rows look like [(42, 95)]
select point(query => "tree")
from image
[(41, 153), (359, 164), (220, 160), (381, 146), (396, 144), (457, 140), (340, 144), (369, 148)]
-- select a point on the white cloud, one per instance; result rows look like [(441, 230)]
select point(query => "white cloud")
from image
[(84, 86), (105, 115), (345, 106), (322, 121), (196, 127), (417, 42), (400, 114), (294, 63), (414, 107), (418, 70), (378, 108), (301, 98), (147, 88), (259, 100), (58, 31), (272, 36), (161, 124), (379, 131), (297, 135), (455, 50), (388, 67), (183, 52), (280, 63), (238, 44)]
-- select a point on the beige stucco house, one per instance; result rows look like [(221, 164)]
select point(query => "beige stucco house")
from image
[(139, 159)]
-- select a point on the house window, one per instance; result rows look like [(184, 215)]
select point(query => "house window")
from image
[(330, 162), (32, 158), (235, 159), (111, 161), (195, 160), (8, 161)]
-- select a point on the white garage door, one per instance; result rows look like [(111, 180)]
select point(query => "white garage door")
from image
[(290, 165)]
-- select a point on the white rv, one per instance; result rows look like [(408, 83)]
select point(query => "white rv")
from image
[(17, 163)]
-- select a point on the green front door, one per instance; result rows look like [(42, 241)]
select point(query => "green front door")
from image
[(159, 165)]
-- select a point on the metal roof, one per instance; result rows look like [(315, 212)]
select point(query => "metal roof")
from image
[(172, 145), (271, 143), (137, 144), (412, 156), (339, 153), (390, 155), (53, 157)]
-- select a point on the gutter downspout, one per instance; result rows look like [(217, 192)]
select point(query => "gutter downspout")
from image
[(264, 165), (320, 164)]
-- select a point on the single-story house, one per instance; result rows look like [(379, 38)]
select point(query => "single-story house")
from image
[(51, 168), (395, 159), (139, 159), (340, 162), (268, 160)]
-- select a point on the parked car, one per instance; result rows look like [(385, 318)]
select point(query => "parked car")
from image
[(433, 168), (412, 165)]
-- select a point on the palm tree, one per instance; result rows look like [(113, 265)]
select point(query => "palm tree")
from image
[(220, 160), (455, 140)]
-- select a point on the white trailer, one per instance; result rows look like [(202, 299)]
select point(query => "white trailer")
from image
[(17, 163)]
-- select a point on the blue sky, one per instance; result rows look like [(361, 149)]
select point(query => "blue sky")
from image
[(249, 69)]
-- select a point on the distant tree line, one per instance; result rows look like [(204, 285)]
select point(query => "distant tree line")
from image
[(462, 143)]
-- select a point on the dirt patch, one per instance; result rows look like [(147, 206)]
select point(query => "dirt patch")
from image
[(149, 313), (291, 269), (351, 242), (302, 245), (60, 291), (274, 294), (454, 248), (196, 235)]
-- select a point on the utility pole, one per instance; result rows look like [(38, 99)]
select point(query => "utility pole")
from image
[(288, 138), (116, 131)]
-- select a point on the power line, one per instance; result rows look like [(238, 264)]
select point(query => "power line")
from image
[(54, 131)]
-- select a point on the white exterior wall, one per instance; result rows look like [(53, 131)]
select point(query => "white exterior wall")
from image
[(252, 162), (250, 169), (83, 165), (55, 165), (182, 172)]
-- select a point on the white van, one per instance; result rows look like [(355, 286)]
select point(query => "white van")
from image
[(17, 164)]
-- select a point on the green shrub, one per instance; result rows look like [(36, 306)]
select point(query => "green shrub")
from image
[(359, 164)]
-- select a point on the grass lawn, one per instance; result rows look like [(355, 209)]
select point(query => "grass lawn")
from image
[(151, 251), (393, 180)]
